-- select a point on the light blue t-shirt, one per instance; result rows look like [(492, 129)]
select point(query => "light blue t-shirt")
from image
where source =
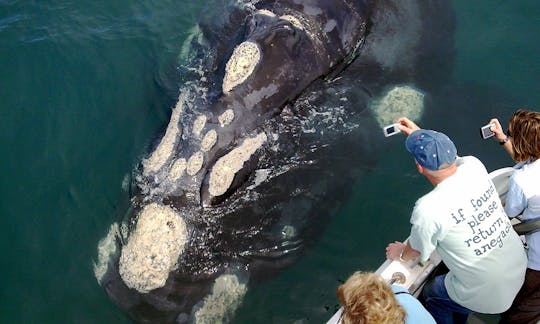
[(463, 219), (416, 313), (524, 197)]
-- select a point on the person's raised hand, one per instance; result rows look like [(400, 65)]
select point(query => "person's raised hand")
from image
[(497, 129), (407, 126)]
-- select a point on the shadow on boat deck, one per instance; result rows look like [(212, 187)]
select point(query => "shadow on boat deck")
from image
[(483, 319)]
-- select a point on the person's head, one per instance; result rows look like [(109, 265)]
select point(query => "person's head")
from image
[(432, 150), (435, 154), (524, 129), (366, 298)]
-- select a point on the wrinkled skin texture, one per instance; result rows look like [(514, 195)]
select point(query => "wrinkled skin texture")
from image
[(258, 227)]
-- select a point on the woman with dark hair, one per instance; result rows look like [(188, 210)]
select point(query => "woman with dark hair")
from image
[(522, 142)]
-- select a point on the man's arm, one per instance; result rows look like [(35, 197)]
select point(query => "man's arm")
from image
[(401, 251)]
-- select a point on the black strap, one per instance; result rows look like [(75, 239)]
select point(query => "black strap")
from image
[(402, 292)]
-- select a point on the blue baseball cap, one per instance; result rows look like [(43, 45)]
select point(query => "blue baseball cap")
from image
[(432, 150)]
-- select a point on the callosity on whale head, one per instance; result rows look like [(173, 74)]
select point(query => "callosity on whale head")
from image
[(242, 177)]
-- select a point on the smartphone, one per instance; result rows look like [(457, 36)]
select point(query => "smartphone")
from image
[(485, 132), (391, 130)]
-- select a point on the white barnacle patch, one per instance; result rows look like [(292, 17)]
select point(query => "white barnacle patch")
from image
[(153, 248), (243, 61), (198, 125), (226, 118), (195, 163), (293, 20), (220, 305), (178, 168), (165, 147), (266, 12), (228, 165), (397, 102), (209, 140)]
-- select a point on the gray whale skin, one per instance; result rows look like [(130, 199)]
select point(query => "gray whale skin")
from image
[(248, 172)]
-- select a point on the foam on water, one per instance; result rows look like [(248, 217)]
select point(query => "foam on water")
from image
[(125, 182), (195, 33), (106, 249), (261, 175)]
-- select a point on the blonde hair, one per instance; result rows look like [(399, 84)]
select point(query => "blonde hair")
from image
[(366, 298), (524, 128)]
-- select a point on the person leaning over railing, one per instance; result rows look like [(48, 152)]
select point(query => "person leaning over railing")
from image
[(367, 299), (462, 218), (523, 145)]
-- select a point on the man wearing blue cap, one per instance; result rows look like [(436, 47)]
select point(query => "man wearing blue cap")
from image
[(463, 219)]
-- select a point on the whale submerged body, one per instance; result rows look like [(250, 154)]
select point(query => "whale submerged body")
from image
[(262, 146)]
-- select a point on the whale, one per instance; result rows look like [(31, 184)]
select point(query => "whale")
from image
[(279, 114)]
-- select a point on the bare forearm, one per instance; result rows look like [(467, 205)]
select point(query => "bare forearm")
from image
[(409, 253), (501, 137), (403, 251)]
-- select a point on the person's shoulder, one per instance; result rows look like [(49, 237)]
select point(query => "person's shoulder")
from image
[(469, 159), (524, 171), (470, 162), (519, 168), (425, 205)]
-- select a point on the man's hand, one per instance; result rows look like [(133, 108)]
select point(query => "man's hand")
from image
[(393, 250), (407, 126)]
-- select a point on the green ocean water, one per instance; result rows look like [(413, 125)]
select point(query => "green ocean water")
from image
[(86, 87)]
